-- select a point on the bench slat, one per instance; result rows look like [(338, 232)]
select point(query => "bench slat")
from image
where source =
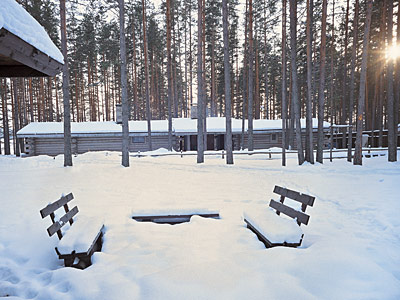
[(302, 198), (301, 217), (64, 219), (56, 205)]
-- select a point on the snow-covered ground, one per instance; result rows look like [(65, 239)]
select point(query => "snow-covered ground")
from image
[(351, 247)]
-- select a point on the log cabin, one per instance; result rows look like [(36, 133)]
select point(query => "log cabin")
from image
[(46, 138)]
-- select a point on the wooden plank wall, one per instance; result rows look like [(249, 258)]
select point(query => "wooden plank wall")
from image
[(55, 146), (264, 140)]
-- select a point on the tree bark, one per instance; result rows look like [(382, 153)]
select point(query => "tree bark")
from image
[(309, 126), (227, 73), (16, 118), (361, 99), (295, 92), (124, 99), (146, 72), (344, 91), (250, 86), (200, 89), (169, 74), (352, 79), (65, 87), (392, 145), (6, 129), (284, 88)]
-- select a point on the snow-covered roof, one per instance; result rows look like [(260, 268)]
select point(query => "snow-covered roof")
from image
[(214, 125), (15, 19), (179, 125)]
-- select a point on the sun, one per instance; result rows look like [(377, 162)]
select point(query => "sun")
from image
[(393, 52)]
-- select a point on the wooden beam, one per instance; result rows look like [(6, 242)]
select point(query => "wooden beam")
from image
[(301, 217), (13, 47), (56, 205), (303, 198), (64, 219)]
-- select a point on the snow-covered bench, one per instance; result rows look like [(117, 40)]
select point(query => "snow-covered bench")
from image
[(80, 241), (274, 230), (172, 216)]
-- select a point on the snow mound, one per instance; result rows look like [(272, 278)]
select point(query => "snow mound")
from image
[(80, 235), (275, 228)]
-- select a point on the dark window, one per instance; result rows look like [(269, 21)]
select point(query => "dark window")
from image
[(274, 137), (138, 139)]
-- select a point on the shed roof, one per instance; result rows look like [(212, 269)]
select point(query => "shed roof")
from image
[(25, 47), (179, 126)]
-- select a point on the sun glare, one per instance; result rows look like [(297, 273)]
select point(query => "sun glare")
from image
[(393, 52)]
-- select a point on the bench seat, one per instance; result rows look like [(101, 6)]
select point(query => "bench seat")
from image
[(275, 229), (79, 238), (172, 216)]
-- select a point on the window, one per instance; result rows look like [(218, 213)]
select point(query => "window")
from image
[(138, 139), (274, 137)]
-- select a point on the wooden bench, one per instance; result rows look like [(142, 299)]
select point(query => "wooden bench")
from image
[(80, 241), (273, 230), (172, 215), (172, 219)]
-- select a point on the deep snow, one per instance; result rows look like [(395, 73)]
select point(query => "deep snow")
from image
[(351, 247)]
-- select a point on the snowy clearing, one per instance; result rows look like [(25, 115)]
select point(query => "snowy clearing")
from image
[(351, 247)]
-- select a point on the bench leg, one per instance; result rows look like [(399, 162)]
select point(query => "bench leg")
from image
[(68, 262), (84, 262)]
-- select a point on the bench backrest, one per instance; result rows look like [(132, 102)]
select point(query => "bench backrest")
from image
[(68, 217), (305, 200)]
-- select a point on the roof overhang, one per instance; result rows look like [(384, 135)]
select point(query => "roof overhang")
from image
[(20, 59)]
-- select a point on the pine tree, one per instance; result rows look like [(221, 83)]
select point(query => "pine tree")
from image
[(67, 116), (309, 155), (361, 99), (125, 112), (200, 88), (284, 88), (295, 93), (352, 79), (228, 110)]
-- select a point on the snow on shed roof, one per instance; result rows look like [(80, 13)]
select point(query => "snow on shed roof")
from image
[(15, 19), (179, 125), (214, 125)]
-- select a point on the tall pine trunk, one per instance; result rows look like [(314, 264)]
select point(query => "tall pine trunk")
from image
[(250, 86), (146, 72), (16, 118), (295, 92), (227, 73), (321, 93), (125, 107), (361, 99), (344, 90), (309, 124), (6, 129), (352, 79), (65, 88), (284, 88), (200, 89), (392, 145), (169, 74)]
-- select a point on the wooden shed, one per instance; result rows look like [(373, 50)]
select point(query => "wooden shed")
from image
[(25, 48), (46, 138)]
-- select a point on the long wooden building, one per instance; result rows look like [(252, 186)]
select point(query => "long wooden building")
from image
[(46, 138)]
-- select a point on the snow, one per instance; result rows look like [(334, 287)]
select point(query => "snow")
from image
[(179, 125), (15, 19), (350, 250), (277, 229), (80, 235)]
